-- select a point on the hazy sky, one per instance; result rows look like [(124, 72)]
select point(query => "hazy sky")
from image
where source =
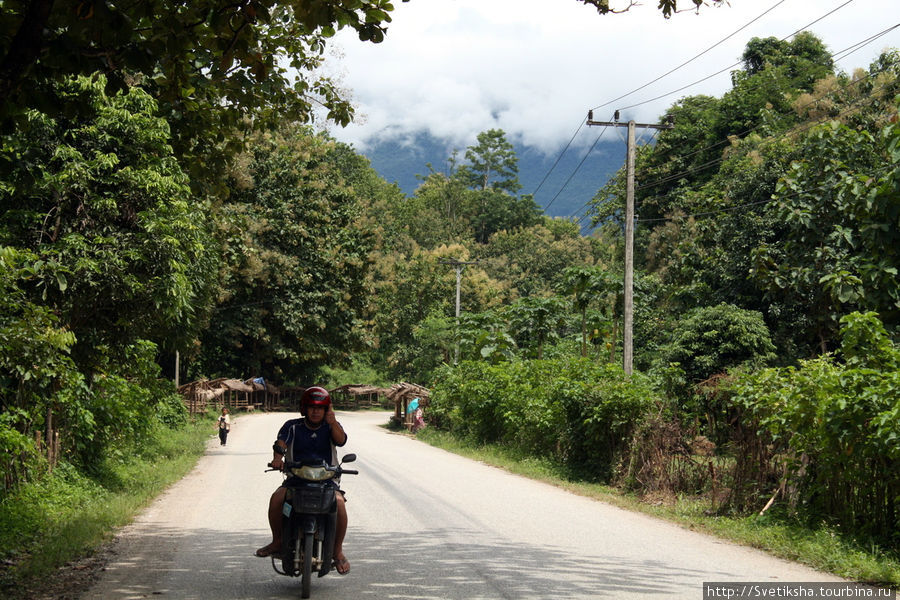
[(534, 68)]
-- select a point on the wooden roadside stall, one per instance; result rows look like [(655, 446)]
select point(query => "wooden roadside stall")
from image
[(402, 394), (237, 393), (357, 396), (221, 392), (265, 395), (197, 395)]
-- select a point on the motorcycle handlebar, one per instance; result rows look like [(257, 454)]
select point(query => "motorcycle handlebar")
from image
[(293, 465)]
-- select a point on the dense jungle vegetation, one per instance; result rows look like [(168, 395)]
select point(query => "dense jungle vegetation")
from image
[(168, 194)]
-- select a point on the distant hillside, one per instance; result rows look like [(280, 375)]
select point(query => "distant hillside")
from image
[(404, 164)]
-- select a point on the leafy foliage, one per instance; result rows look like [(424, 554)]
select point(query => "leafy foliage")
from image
[(105, 259), (217, 68), (101, 201), (570, 409), (714, 339), (839, 425), (293, 294)]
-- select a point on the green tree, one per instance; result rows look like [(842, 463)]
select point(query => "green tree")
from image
[(838, 251), (99, 195), (586, 285), (293, 292), (493, 164), (231, 56), (710, 340), (535, 322)]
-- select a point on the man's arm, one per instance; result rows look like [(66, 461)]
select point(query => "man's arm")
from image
[(278, 457), (338, 436)]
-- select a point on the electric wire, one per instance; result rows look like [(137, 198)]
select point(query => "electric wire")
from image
[(835, 56), (558, 158), (849, 50), (728, 68), (800, 129), (687, 62), (859, 45), (855, 105), (584, 158)]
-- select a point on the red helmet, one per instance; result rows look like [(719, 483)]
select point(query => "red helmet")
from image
[(314, 396)]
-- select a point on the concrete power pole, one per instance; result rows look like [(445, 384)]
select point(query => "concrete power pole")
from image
[(628, 309), (458, 265)]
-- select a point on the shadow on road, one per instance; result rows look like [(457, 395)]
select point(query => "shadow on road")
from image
[(435, 563)]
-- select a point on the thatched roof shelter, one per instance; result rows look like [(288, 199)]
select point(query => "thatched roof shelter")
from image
[(356, 395), (227, 392), (402, 394), (235, 385)]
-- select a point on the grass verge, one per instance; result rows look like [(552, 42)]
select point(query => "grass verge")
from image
[(67, 515), (820, 547)]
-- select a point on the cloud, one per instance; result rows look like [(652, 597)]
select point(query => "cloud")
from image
[(454, 68)]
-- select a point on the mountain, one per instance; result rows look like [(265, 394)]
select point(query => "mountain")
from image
[(405, 163)]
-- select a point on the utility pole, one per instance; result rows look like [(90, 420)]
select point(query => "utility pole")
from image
[(628, 309), (459, 265)]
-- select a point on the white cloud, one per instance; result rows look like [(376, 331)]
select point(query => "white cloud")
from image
[(533, 68)]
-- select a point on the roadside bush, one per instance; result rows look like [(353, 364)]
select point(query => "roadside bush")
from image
[(838, 427), (712, 339), (709, 342), (573, 410)]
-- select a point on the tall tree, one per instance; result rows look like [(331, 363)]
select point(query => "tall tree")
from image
[(493, 163), (293, 295), (216, 67), (98, 195)]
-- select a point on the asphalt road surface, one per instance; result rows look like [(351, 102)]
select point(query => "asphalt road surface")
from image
[(424, 524)]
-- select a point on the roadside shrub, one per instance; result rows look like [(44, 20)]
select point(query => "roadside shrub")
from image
[(602, 406), (707, 343), (171, 411), (713, 339), (573, 410), (838, 426)]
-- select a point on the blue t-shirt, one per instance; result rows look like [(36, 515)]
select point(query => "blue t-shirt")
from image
[(304, 443)]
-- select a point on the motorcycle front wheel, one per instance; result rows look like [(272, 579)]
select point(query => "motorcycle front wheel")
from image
[(306, 575)]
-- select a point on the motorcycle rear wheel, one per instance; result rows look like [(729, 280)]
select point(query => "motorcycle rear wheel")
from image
[(306, 576)]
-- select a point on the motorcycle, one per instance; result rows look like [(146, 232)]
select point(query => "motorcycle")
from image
[(310, 519)]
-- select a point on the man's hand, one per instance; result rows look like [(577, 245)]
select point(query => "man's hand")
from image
[(277, 462), (330, 417)]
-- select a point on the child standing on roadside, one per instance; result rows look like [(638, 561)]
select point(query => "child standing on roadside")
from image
[(224, 426)]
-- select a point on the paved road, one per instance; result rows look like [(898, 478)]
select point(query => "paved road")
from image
[(424, 524)]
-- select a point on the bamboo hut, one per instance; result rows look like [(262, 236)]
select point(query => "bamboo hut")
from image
[(402, 394), (357, 396), (265, 395)]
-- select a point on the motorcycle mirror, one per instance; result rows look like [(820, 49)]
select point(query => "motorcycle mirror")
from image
[(349, 458)]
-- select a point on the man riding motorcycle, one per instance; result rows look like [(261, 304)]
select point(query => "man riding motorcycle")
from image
[(315, 435)]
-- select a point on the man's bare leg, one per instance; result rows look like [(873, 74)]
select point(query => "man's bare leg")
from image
[(340, 561), (276, 502)]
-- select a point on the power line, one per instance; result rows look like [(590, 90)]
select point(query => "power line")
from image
[(854, 106), (588, 153), (687, 62), (558, 158), (806, 126), (859, 45), (845, 52), (728, 68)]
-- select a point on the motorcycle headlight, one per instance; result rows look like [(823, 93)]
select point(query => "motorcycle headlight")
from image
[(312, 473)]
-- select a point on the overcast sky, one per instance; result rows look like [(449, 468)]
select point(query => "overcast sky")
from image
[(534, 68)]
